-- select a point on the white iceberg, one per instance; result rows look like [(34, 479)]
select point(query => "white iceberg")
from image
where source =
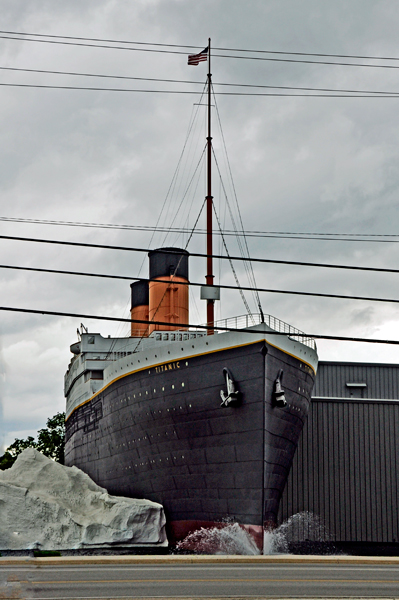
[(48, 506)]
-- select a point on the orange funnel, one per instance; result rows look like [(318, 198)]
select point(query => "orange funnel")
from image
[(139, 308), (168, 299)]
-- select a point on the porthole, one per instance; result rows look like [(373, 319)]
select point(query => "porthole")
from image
[(182, 383), (173, 386)]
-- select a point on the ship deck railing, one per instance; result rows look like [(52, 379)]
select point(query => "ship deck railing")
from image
[(239, 323), (249, 320)]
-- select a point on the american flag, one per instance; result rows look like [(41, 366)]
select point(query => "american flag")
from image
[(195, 59)]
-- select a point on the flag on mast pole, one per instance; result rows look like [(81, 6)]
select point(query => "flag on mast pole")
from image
[(195, 59)]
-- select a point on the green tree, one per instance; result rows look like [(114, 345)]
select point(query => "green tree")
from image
[(50, 442)]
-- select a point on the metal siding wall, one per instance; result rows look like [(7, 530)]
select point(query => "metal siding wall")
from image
[(382, 380), (345, 469)]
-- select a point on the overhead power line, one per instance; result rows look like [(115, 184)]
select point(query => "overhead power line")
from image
[(199, 254), (253, 233), (188, 325), (261, 58), (149, 91), (188, 82), (227, 287), (320, 54), (194, 47)]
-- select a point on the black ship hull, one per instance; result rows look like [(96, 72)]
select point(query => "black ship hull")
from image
[(161, 433)]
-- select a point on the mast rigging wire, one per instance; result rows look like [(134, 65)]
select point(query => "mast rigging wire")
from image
[(175, 174), (233, 270), (184, 196), (249, 268), (245, 255)]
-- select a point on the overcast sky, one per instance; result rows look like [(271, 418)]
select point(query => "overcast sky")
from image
[(323, 165)]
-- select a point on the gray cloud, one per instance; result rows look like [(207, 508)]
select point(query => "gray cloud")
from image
[(300, 164)]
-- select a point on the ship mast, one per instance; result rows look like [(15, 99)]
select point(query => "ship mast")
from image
[(210, 303)]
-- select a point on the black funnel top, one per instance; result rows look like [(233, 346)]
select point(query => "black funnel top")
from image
[(140, 295), (165, 261)]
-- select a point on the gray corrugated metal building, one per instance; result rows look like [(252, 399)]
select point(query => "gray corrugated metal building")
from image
[(346, 468)]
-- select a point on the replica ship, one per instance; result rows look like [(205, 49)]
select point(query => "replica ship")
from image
[(206, 420)]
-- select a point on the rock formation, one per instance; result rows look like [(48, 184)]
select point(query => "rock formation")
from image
[(48, 506)]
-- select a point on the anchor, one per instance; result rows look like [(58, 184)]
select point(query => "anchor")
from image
[(233, 396), (279, 394)]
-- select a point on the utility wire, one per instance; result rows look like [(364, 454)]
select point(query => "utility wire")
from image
[(131, 90), (262, 58), (185, 81), (85, 45), (68, 37), (295, 334), (86, 39), (251, 233), (227, 287), (200, 255)]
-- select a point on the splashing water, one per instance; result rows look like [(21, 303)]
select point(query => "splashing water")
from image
[(227, 538), (231, 538), (303, 526)]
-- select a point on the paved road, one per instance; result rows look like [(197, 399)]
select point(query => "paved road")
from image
[(199, 581)]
